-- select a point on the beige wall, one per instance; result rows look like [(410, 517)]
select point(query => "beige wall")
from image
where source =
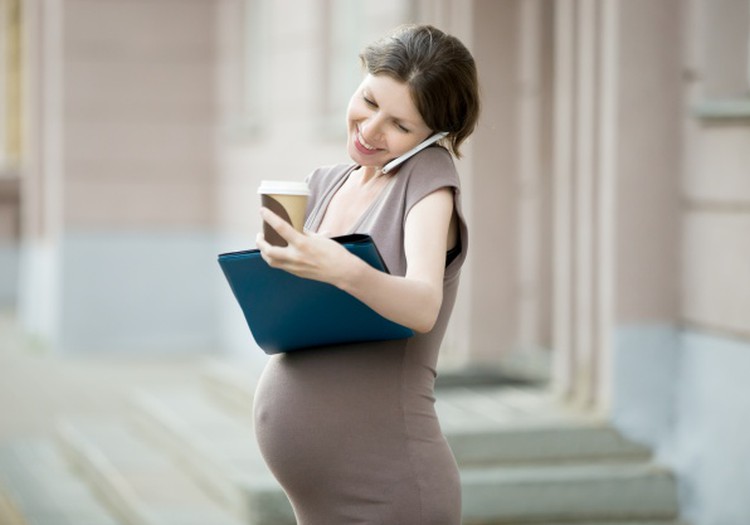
[(721, 29), (493, 213), (716, 282), (649, 162), (119, 176), (121, 128), (139, 114)]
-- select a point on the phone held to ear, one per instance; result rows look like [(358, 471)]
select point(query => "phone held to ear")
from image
[(416, 149)]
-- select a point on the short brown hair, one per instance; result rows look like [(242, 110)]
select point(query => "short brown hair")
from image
[(441, 75)]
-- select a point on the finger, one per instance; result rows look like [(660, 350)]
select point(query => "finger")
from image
[(283, 228), (261, 243), (264, 247), (267, 253)]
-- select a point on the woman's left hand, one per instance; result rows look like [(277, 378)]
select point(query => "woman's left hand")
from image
[(307, 255)]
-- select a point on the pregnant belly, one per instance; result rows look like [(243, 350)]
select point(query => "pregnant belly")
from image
[(323, 411), (351, 430)]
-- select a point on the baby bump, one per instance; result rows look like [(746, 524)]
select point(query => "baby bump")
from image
[(314, 408), (339, 430)]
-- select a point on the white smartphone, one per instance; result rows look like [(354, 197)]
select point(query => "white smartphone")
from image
[(416, 149)]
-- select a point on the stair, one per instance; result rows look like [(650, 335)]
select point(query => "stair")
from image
[(187, 456), (571, 492), (218, 448), (38, 487), (516, 426), (138, 481), (522, 458)]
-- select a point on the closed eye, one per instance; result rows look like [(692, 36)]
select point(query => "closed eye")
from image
[(369, 102)]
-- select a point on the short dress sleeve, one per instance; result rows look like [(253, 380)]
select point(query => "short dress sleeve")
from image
[(434, 169)]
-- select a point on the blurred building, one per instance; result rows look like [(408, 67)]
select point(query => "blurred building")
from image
[(607, 189)]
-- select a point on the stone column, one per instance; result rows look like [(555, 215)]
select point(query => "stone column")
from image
[(530, 177), (492, 291), (41, 188), (616, 187), (584, 207), (565, 31)]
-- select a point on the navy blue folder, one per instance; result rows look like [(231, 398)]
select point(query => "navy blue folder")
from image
[(285, 312)]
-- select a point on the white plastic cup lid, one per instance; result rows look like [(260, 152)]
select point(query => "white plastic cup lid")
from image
[(283, 187)]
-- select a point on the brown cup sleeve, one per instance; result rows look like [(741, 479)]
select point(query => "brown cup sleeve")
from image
[(268, 232)]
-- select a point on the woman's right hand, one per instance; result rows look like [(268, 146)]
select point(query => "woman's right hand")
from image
[(310, 256)]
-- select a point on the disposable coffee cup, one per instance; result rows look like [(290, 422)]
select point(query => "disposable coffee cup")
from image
[(286, 199)]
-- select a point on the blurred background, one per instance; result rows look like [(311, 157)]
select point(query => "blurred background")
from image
[(607, 191)]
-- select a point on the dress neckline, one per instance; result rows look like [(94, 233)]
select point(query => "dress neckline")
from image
[(320, 211)]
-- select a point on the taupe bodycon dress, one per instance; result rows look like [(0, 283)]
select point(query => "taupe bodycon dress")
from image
[(350, 431)]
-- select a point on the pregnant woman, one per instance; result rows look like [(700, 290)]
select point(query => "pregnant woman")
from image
[(350, 431)]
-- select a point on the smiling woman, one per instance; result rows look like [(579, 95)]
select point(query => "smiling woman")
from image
[(351, 431)]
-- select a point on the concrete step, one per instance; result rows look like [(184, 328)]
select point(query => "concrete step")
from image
[(39, 487), (218, 445), (516, 425), (569, 493), (140, 482), (218, 448), (596, 522)]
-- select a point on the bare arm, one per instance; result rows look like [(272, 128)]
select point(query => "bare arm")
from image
[(413, 300)]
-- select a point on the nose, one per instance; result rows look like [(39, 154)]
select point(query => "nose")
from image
[(372, 130)]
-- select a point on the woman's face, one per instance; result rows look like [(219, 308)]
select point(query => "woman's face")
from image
[(382, 121)]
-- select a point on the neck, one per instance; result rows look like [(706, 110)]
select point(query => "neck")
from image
[(371, 173)]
